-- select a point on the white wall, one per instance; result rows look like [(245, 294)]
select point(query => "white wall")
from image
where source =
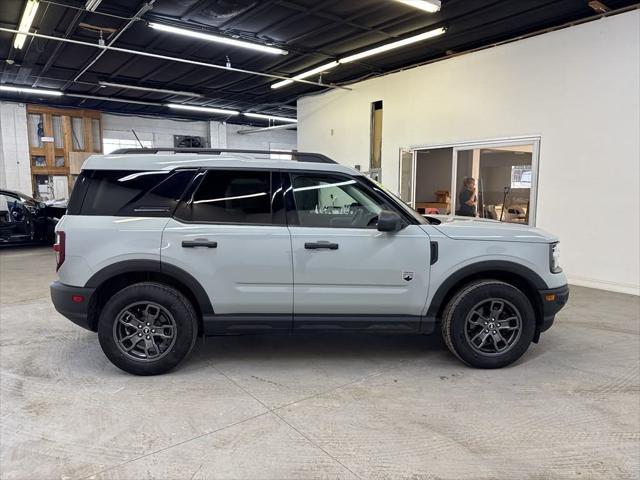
[(160, 132), (15, 170), (578, 88), (277, 139)]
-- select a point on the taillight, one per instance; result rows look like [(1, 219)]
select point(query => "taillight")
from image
[(59, 248)]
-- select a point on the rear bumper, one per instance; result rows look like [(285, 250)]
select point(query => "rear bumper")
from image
[(552, 302), (77, 311)]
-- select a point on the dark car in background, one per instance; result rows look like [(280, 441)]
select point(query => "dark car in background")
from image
[(25, 220)]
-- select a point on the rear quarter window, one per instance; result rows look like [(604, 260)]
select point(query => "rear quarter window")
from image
[(131, 193)]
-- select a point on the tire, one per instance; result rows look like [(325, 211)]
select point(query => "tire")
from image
[(147, 328), (480, 334)]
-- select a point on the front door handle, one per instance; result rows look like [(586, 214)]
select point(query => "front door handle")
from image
[(199, 242), (319, 245)]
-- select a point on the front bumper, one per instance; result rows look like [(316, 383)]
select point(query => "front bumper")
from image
[(66, 300), (552, 302)]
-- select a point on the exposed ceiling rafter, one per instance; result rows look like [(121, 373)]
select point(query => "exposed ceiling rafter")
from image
[(169, 58)]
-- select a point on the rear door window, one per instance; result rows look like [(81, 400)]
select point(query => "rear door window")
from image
[(230, 196)]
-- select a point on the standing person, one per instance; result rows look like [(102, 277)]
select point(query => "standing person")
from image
[(468, 200)]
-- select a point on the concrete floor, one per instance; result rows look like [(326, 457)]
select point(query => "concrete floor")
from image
[(316, 406)]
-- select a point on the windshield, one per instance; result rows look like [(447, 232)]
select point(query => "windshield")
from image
[(396, 200), (26, 198)]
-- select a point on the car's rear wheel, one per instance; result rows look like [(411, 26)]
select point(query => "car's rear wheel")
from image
[(488, 324), (147, 328)]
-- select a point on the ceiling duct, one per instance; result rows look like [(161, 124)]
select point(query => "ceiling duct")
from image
[(220, 11)]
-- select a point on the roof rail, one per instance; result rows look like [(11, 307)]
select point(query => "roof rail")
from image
[(295, 155)]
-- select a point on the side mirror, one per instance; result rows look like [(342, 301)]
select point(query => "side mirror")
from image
[(389, 221)]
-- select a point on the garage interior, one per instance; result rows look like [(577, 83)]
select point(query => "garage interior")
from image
[(537, 100)]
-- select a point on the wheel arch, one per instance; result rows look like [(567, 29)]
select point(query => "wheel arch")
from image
[(116, 276), (510, 272)]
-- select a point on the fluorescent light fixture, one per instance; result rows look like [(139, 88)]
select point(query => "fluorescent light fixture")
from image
[(34, 91), (393, 45), (218, 38), (28, 15), (431, 6), (219, 111), (92, 5), (149, 89), (320, 69), (270, 117)]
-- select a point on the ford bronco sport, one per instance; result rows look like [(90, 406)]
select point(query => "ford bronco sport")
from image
[(159, 247)]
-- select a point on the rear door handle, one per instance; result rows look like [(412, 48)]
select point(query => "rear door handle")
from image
[(199, 242), (319, 245)]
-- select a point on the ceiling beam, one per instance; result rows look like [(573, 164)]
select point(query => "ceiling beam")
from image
[(58, 48), (333, 18), (170, 58)]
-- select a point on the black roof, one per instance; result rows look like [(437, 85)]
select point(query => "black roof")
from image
[(312, 31)]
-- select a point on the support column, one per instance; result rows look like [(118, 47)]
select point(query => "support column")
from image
[(475, 164), (15, 167), (218, 134)]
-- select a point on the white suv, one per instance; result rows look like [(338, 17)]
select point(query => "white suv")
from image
[(158, 247)]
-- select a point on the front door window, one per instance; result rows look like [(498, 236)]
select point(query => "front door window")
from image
[(333, 201)]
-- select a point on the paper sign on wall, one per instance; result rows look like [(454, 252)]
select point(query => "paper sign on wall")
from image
[(46, 139)]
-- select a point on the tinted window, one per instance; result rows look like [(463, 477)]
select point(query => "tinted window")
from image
[(11, 209), (161, 199), (334, 202), (227, 196), (74, 207), (118, 192)]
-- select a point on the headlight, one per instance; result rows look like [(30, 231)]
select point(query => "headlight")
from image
[(554, 258)]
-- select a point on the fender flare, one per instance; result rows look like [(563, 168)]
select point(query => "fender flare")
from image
[(143, 266), (532, 278)]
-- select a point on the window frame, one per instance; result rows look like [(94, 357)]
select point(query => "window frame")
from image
[(533, 140), (278, 218), (377, 194)]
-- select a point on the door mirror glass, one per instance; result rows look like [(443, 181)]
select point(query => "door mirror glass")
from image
[(389, 221)]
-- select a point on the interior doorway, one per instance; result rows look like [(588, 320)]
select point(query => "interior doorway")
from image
[(494, 179)]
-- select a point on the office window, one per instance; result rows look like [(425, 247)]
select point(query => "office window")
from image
[(521, 176), (77, 134)]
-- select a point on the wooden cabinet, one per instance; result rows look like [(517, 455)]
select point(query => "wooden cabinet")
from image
[(59, 141)]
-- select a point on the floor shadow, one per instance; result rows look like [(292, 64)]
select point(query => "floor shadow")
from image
[(316, 346)]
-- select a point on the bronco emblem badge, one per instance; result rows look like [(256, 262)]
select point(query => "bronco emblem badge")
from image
[(407, 276)]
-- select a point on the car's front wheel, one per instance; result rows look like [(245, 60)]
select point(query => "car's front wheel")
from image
[(488, 324), (147, 328)]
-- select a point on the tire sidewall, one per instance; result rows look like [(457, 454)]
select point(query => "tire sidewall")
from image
[(468, 299), (169, 298)]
